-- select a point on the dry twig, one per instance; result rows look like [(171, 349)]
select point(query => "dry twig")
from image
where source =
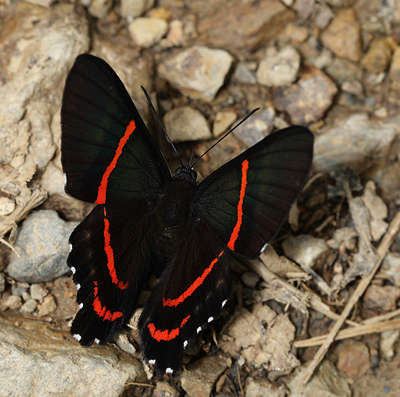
[(359, 291)]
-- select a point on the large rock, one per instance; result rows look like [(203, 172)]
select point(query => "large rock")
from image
[(38, 361)]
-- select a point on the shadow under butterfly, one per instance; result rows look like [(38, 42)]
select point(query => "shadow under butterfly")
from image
[(147, 221)]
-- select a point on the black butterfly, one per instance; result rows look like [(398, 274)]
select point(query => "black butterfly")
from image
[(148, 222)]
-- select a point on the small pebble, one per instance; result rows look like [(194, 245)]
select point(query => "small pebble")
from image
[(48, 306), (2, 282), (26, 296), (186, 124), (244, 74), (198, 72), (13, 302), (28, 307), (6, 206), (134, 8), (223, 120), (38, 292), (100, 8), (343, 35), (394, 71), (250, 279), (354, 359), (147, 31), (379, 55), (19, 288), (280, 69)]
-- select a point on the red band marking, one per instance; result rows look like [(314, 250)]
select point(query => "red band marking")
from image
[(102, 310), (166, 335), (236, 229), (110, 255), (102, 190), (196, 284)]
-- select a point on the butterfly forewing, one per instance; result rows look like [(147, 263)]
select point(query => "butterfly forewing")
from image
[(246, 200), (108, 155)]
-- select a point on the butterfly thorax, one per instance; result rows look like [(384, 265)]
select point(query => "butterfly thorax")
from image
[(175, 204), (185, 173)]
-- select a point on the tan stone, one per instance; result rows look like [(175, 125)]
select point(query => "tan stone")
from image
[(343, 36)]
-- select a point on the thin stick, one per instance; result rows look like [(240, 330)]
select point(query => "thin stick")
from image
[(351, 333), (310, 299), (359, 291), (9, 246)]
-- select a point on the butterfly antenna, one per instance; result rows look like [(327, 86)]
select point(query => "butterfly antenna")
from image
[(220, 139), (159, 121)]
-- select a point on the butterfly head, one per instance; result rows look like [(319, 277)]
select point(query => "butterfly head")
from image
[(186, 173)]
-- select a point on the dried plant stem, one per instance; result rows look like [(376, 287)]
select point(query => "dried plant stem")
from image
[(351, 333), (359, 291), (310, 299)]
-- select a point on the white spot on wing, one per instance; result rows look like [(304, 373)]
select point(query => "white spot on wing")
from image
[(224, 302), (73, 270), (185, 343), (169, 371), (198, 329), (210, 319), (77, 337), (152, 362), (78, 287), (80, 305), (65, 180), (96, 341), (70, 249), (263, 248)]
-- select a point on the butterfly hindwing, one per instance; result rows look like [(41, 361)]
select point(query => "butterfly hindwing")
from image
[(189, 295), (108, 155), (247, 199), (111, 261)]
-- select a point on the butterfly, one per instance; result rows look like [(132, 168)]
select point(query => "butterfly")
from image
[(147, 221)]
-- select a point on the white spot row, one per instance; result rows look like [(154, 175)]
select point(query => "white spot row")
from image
[(77, 337), (70, 249), (263, 248), (78, 287), (65, 180), (224, 302), (96, 340), (73, 270), (80, 305)]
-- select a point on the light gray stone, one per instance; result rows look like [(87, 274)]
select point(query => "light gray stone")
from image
[(38, 361), (134, 8), (186, 124), (147, 31), (198, 72), (42, 243), (279, 69)]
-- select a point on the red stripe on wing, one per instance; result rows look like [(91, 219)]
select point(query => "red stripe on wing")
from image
[(196, 284), (166, 335), (101, 310), (110, 254), (236, 229), (102, 189)]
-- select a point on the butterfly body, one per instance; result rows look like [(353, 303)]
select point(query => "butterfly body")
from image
[(147, 221)]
